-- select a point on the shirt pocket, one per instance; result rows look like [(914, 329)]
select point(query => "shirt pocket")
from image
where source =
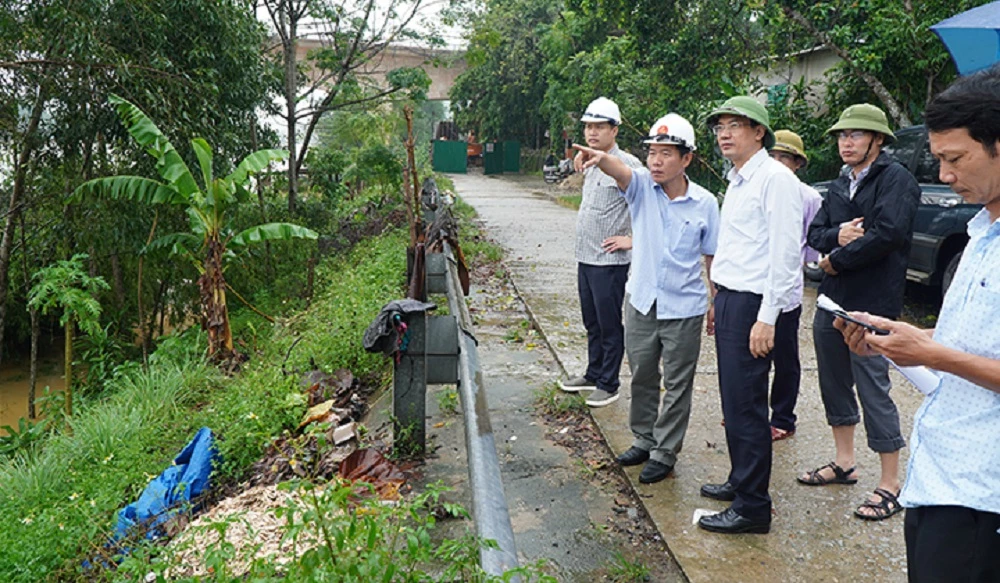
[(982, 305), (687, 239)]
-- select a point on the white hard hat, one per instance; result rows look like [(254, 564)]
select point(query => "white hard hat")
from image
[(602, 109), (672, 129)]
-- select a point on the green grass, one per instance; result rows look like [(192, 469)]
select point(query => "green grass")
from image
[(476, 246), (570, 201), (58, 498), (553, 401), (621, 570)]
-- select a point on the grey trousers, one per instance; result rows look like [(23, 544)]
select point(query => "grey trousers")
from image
[(839, 369), (658, 426)]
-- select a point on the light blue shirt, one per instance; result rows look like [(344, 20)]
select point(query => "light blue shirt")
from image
[(668, 239), (954, 458)]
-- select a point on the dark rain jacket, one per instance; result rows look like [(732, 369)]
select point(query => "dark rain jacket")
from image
[(871, 270)]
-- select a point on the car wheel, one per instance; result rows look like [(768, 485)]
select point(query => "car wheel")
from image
[(949, 272)]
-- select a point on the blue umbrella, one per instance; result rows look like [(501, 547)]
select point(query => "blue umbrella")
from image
[(972, 37)]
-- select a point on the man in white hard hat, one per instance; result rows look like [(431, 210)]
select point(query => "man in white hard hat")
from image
[(675, 223), (789, 149), (601, 271)]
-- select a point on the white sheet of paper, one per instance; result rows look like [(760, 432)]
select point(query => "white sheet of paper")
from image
[(922, 377), (925, 379)]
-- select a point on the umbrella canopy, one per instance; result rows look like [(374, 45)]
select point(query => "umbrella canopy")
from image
[(972, 37)]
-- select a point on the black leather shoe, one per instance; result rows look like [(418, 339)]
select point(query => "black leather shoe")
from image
[(633, 456), (724, 492), (654, 471), (730, 522)]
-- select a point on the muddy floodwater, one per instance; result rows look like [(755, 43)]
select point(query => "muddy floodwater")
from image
[(14, 377)]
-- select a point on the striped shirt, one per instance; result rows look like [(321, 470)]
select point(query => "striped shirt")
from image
[(603, 213)]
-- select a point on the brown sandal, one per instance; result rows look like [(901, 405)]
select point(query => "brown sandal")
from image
[(777, 433), (840, 476), (888, 505)]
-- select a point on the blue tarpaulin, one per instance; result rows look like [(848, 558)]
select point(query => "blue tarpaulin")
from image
[(172, 491)]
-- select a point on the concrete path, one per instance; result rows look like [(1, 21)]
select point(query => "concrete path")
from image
[(814, 535)]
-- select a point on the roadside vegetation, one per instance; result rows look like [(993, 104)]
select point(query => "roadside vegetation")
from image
[(534, 65)]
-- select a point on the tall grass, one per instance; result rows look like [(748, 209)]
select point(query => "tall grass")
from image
[(58, 499)]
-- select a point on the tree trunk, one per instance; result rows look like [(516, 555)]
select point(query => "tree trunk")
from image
[(69, 367), (215, 313), (289, 47), (117, 281), (33, 376), (896, 111), (14, 208), (35, 328)]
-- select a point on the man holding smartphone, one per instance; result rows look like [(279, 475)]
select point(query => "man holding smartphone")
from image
[(952, 526), (864, 226)]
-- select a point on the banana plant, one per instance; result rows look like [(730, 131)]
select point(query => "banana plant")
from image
[(208, 243)]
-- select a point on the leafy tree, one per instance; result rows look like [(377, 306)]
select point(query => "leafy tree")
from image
[(65, 285), (887, 47), (207, 206), (353, 37), (499, 95), (193, 64)]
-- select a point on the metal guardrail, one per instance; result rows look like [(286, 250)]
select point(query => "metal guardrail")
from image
[(442, 350), (489, 505)]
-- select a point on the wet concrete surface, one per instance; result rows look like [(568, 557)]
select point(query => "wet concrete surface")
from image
[(814, 534), (577, 518)]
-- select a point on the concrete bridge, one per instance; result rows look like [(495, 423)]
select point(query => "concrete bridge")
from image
[(441, 65)]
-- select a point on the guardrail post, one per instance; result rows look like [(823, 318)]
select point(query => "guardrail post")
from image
[(431, 357), (409, 389)]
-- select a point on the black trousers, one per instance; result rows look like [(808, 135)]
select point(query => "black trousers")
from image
[(743, 388), (602, 291), (952, 544), (787, 370)]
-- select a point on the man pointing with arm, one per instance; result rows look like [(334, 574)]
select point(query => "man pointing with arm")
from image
[(674, 223)]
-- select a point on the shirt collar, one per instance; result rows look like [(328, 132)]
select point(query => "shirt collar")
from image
[(747, 171), (692, 191), (861, 174), (981, 224)]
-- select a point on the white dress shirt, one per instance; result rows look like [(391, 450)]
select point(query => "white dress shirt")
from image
[(760, 238)]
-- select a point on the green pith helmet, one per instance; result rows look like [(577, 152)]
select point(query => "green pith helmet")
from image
[(864, 116), (748, 107), (789, 142)]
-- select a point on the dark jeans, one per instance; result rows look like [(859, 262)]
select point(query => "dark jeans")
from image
[(743, 388), (787, 370), (952, 544), (602, 290)]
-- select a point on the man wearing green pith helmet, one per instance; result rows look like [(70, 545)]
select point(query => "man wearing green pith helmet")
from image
[(864, 226), (756, 272)]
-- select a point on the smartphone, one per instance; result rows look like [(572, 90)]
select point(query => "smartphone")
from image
[(845, 316)]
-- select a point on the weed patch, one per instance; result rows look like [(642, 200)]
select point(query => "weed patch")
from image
[(550, 400)]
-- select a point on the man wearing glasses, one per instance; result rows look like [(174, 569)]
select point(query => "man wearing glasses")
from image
[(756, 271), (675, 223), (864, 226), (603, 257)]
